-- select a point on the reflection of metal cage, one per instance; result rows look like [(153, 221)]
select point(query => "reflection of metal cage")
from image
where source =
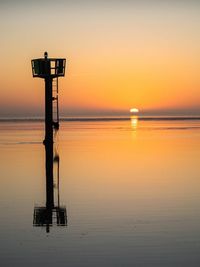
[(53, 213), (44, 216), (44, 67)]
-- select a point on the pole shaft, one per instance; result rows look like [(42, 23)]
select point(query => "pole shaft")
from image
[(48, 111), (49, 142)]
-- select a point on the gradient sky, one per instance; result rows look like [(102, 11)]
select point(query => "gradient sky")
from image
[(120, 54)]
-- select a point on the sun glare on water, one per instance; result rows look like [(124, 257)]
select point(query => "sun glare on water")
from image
[(134, 118)]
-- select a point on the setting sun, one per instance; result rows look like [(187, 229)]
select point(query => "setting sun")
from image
[(134, 110)]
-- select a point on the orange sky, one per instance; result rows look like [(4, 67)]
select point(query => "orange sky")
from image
[(120, 55)]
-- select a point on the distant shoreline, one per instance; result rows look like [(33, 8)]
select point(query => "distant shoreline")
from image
[(82, 119)]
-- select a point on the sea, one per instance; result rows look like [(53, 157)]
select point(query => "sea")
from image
[(114, 192)]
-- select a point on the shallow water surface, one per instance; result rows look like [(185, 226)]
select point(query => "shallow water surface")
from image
[(131, 190)]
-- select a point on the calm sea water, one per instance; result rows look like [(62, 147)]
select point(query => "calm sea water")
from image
[(131, 190)]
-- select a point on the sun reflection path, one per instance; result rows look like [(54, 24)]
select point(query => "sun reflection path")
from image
[(134, 118), (134, 122)]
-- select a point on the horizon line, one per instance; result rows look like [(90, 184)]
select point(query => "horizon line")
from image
[(104, 118)]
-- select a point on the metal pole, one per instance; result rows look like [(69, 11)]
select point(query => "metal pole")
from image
[(48, 111), (49, 135)]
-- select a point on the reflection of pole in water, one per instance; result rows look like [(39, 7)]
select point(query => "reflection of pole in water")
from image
[(49, 176), (57, 162), (52, 213)]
